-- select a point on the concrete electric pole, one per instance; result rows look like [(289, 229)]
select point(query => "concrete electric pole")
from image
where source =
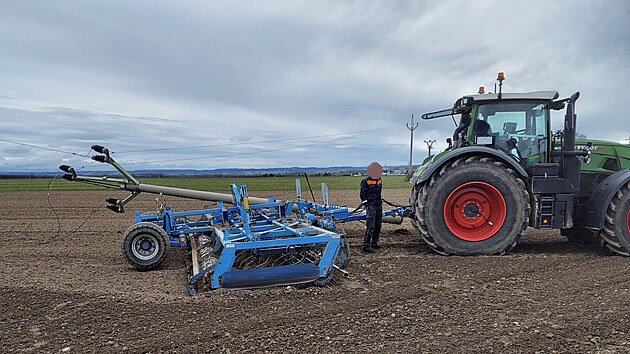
[(411, 128), (429, 145)]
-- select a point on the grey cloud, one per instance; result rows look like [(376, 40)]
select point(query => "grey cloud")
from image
[(155, 74)]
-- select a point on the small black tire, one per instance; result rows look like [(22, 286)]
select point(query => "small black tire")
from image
[(616, 232), (145, 245), (437, 208), (581, 235), (343, 257)]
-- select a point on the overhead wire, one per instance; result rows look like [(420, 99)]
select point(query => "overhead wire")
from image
[(389, 146), (42, 147), (257, 141), (263, 151), (233, 154), (343, 136)]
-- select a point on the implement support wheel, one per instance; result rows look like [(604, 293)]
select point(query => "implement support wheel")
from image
[(145, 245)]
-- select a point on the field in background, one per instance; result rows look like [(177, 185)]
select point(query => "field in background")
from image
[(215, 184)]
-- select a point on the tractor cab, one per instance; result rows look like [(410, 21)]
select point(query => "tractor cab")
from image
[(519, 124), (515, 123)]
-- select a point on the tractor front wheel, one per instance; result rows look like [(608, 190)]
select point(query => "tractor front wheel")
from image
[(473, 206), (145, 245), (616, 231)]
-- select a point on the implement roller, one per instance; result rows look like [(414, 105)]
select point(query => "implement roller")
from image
[(243, 242)]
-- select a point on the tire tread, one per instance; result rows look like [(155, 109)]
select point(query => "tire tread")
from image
[(424, 190), (610, 234), (131, 259)]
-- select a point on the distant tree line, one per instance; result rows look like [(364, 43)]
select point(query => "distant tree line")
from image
[(27, 175)]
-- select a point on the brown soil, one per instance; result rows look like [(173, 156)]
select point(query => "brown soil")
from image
[(72, 292)]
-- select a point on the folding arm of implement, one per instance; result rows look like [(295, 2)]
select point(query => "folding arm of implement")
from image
[(256, 242), (129, 182)]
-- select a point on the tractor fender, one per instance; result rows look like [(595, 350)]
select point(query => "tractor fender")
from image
[(600, 198), (472, 151)]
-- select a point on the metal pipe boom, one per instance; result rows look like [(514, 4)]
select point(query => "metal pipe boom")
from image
[(217, 197), (131, 184), (189, 193)]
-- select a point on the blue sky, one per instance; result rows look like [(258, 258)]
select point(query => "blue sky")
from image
[(150, 75)]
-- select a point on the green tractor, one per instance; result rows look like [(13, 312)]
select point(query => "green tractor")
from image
[(505, 170)]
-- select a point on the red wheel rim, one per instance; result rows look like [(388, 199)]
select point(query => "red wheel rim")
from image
[(475, 211)]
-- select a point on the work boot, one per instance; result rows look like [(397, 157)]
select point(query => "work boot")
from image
[(376, 246), (368, 249)]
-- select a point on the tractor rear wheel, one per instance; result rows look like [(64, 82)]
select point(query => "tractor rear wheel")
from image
[(474, 206), (581, 235), (145, 245), (616, 231)]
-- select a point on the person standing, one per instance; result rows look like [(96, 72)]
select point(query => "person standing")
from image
[(370, 195)]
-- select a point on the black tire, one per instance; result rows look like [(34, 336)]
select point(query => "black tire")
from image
[(436, 195), (413, 201), (616, 232), (343, 257), (145, 245), (581, 235)]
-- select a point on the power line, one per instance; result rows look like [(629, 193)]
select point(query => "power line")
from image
[(347, 136), (43, 148), (255, 142), (390, 145), (251, 152)]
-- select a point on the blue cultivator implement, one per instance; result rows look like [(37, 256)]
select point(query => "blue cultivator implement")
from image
[(252, 243)]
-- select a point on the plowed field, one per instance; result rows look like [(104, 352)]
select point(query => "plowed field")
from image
[(72, 291)]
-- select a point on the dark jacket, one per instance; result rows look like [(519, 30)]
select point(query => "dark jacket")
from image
[(371, 191)]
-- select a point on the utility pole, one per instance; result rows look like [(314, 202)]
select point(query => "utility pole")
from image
[(411, 128), (429, 145)]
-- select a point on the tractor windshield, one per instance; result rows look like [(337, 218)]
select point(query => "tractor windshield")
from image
[(520, 128)]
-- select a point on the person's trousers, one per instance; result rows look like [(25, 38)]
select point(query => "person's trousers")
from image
[(373, 224)]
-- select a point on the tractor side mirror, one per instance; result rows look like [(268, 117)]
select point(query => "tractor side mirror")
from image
[(557, 105)]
